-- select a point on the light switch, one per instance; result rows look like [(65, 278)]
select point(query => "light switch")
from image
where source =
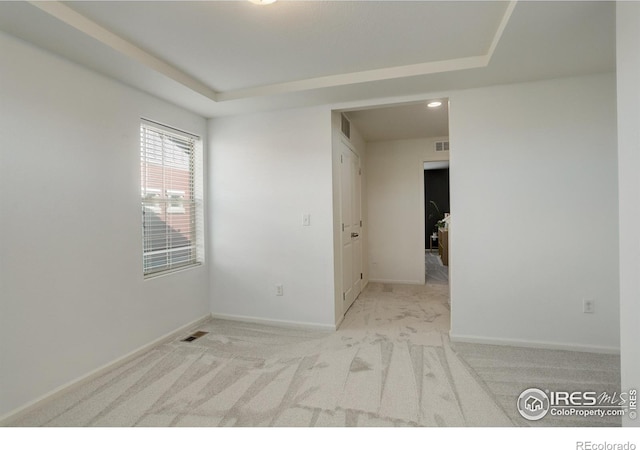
[(306, 220)]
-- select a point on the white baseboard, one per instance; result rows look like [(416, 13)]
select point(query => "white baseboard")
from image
[(51, 395), (275, 322), (396, 281), (534, 344)]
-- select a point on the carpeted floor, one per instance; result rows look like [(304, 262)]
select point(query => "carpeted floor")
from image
[(507, 371), (435, 271), (389, 364)]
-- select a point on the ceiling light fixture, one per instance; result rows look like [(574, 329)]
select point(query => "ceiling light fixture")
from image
[(434, 104), (262, 2)]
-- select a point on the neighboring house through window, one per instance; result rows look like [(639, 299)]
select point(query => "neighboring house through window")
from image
[(171, 189), (176, 198)]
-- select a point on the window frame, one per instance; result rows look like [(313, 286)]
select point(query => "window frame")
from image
[(165, 248)]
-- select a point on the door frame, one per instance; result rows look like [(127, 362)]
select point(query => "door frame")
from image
[(349, 146)]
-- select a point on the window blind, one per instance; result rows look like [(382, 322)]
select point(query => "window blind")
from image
[(169, 201)]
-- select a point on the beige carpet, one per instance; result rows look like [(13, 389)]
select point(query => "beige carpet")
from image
[(507, 371), (389, 364), (435, 271)]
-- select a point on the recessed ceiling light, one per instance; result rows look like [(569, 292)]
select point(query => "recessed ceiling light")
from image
[(434, 104), (262, 2)]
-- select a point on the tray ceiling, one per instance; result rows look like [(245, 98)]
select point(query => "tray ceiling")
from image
[(232, 56)]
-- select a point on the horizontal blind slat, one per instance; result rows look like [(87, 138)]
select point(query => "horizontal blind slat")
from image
[(167, 189)]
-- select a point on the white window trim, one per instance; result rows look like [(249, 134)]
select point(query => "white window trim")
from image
[(195, 247)]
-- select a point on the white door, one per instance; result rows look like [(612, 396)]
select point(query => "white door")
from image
[(350, 191), (356, 224)]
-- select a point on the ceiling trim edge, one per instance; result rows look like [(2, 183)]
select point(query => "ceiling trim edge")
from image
[(90, 28), (501, 27), (121, 45), (386, 73)]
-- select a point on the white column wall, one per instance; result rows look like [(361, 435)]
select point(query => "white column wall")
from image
[(534, 200), (266, 171)]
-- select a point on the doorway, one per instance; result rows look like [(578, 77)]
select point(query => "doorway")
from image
[(351, 214), (437, 209), (390, 143)]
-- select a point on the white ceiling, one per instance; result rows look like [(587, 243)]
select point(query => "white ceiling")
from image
[(237, 45), (409, 121), (219, 58)]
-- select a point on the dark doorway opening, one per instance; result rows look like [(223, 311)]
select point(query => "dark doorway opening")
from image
[(436, 197)]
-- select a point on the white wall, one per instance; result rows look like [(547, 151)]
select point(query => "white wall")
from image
[(358, 145), (628, 77), (535, 229), (267, 170), (73, 293), (395, 195)]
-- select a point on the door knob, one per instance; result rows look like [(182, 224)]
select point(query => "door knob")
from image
[(354, 235)]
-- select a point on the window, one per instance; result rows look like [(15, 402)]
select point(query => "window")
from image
[(177, 205), (171, 189)]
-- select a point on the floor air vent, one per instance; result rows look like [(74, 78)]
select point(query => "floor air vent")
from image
[(195, 336)]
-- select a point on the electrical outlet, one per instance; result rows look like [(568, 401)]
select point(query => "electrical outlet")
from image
[(279, 289), (588, 306)]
